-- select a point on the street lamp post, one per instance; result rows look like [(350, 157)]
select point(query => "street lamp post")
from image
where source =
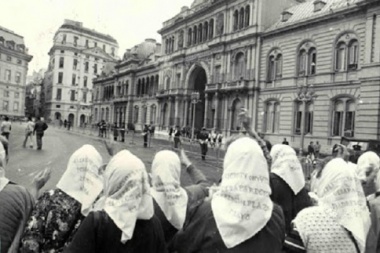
[(305, 94), (194, 100)]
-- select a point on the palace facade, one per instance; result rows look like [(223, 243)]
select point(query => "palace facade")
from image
[(14, 60), (76, 57), (306, 70)]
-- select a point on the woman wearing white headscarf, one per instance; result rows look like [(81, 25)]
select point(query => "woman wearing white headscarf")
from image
[(16, 204), (287, 182), (58, 212), (367, 168), (240, 217), (171, 201), (124, 220), (340, 222)]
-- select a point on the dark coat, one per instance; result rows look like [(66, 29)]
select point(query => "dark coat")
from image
[(201, 235)]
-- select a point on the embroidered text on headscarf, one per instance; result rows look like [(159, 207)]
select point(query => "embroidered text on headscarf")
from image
[(286, 165), (126, 195), (82, 179), (242, 206), (169, 195), (3, 180)]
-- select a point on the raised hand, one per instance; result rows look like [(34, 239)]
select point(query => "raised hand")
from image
[(41, 178), (184, 159)]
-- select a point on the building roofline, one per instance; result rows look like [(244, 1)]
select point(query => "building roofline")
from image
[(11, 32), (89, 32)]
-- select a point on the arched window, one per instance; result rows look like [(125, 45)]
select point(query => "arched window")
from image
[(195, 35), (153, 111), (236, 20), (211, 28), (247, 15), (347, 53), (297, 117), (272, 117), (309, 117), (143, 87), (136, 115), (200, 33), (239, 66), (241, 18), (138, 87), (307, 59), (189, 36), (274, 69), (167, 83), (206, 31), (343, 117)]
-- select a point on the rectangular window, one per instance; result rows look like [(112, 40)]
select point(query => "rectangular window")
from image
[(178, 80), (85, 81), (86, 43), (104, 48), (62, 51), (5, 106), (60, 77), (57, 106), (18, 77), (6, 94), (271, 69), (217, 74), (309, 123), (61, 62), (72, 95), (337, 123), (9, 58), (349, 125), (113, 51), (95, 44), (19, 61), (297, 125), (302, 64), (95, 68), (75, 64), (17, 94), (85, 97), (7, 75), (313, 63), (15, 106), (64, 39), (74, 80), (59, 94), (86, 67), (75, 41)]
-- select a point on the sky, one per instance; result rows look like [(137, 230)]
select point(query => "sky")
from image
[(129, 21)]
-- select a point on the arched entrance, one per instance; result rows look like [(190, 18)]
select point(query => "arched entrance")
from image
[(82, 120), (197, 82), (57, 116), (71, 119)]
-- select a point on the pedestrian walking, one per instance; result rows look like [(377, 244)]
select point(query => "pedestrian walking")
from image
[(317, 149), (65, 123), (29, 132), (68, 125), (310, 151), (213, 138), (146, 135), (6, 127), (177, 137), (39, 129), (203, 137), (170, 133), (285, 142)]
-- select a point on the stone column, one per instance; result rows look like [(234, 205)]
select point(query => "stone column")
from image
[(216, 125), (170, 104), (225, 123), (206, 111), (176, 111), (186, 111)]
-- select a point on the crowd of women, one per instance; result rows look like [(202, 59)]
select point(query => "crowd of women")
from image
[(261, 204)]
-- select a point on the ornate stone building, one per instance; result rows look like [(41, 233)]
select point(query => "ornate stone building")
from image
[(76, 57), (320, 74), (213, 48), (126, 93), (14, 60)]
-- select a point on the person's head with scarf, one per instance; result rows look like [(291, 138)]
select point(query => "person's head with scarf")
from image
[(166, 187), (83, 179), (3, 161), (241, 205), (367, 169), (286, 165), (126, 193), (59, 212), (341, 201)]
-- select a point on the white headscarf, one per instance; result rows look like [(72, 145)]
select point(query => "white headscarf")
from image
[(242, 206), (167, 190), (82, 179), (3, 180), (126, 194), (286, 165), (341, 195), (368, 165)]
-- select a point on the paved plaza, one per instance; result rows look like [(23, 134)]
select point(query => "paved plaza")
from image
[(59, 144)]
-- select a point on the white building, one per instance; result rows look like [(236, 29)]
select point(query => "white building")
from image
[(76, 57)]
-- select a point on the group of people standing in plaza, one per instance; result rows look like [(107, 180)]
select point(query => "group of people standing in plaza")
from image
[(261, 204)]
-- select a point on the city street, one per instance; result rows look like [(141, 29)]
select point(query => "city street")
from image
[(59, 144)]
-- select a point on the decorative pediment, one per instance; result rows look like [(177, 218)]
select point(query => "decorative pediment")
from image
[(97, 52)]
